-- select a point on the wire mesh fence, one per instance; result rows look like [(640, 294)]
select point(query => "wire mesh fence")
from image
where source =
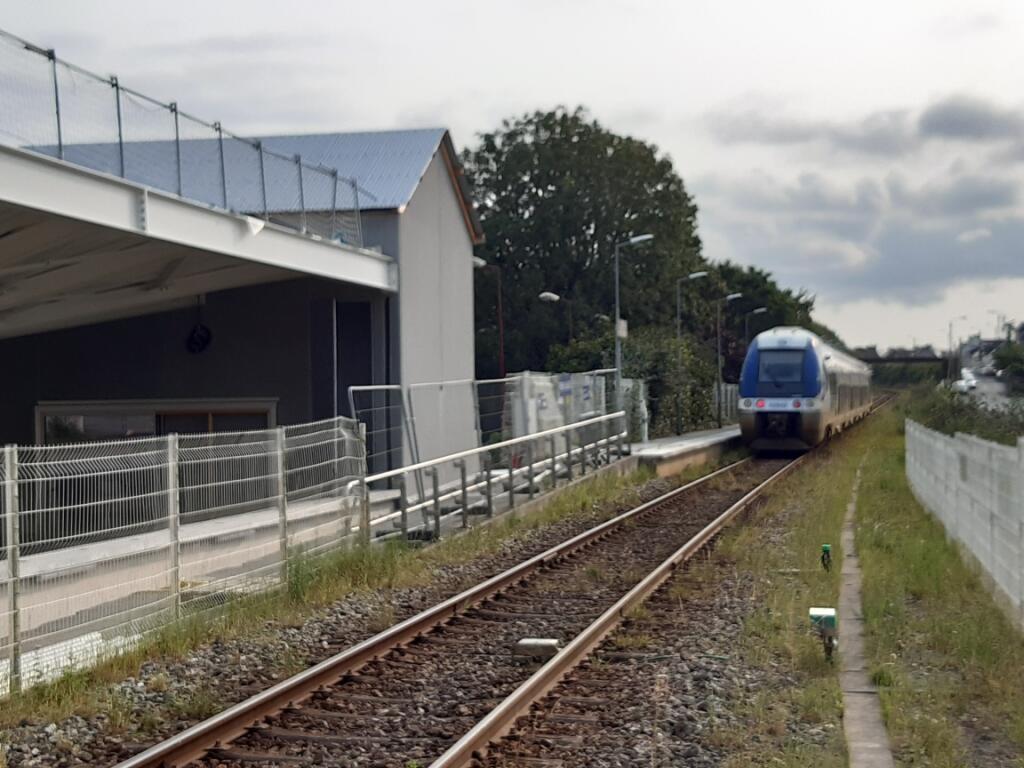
[(55, 108), (102, 542)]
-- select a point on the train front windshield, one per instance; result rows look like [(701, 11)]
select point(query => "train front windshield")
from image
[(780, 371)]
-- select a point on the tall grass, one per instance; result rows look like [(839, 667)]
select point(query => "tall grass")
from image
[(940, 647)]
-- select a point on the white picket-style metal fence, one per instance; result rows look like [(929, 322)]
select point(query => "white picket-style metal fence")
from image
[(104, 541), (976, 490)]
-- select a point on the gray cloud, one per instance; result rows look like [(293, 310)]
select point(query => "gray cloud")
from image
[(888, 133), (880, 133), (956, 196), (892, 239), (971, 119)]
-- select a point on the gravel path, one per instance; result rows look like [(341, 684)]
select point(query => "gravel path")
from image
[(168, 696)]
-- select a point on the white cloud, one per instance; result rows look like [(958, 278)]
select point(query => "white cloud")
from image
[(972, 235)]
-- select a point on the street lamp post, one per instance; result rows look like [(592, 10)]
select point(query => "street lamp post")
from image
[(718, 333), (635, 240), (952, 367), (479, 263), (679, 300), (746, 322)]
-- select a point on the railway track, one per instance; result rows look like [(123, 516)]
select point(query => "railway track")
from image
[(422, 688)]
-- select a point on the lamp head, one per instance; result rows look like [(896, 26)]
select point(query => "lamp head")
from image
[(636, 239), (734, 296), (549, 297), (697, 275)]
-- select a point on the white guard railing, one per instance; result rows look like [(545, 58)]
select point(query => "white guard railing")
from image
[(532, 463), (101, 543)]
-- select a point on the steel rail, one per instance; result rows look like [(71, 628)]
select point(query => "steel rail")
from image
[(194, 742), (499, 721)]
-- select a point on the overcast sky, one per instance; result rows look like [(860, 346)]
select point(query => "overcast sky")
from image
[(870, 152)]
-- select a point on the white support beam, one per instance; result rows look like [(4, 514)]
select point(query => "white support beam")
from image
[(53, 186)]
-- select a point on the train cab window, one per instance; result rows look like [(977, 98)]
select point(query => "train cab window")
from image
[(780, 371)]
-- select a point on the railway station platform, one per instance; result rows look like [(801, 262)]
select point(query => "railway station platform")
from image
[(670, 455)]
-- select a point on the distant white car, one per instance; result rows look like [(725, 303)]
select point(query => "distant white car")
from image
[(967, 376), (961, 387)]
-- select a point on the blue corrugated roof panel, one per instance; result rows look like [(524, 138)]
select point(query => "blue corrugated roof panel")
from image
[(388, 164)]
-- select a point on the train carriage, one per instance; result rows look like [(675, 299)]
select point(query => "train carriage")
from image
[(797, 391)]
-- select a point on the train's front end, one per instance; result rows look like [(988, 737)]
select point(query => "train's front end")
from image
[(781, 405)]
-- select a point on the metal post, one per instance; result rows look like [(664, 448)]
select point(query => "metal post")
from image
[(174, 521), (529, 468), (13, 568), (177, 144), (359, 218), (120, 131), (403, 507), (364, 514), (56, 102), (511, 481), (282, 499), (302, 195), (618, 341), (476, 413), (465, 492), (583, 452), (489, 492), (437, 503), (619, 442), (568, 455), (718, 367), (223, 167), (608, 440), (554, 462), (266, 209), (334, 204)]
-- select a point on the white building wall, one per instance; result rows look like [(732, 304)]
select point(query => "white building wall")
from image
[(436, 313), (976, 490)]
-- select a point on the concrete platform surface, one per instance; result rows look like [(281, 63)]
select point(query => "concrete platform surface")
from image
[(666, 447)]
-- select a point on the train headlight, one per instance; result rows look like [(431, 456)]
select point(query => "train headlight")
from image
[(746, 403), (760, 403), (796, 403)]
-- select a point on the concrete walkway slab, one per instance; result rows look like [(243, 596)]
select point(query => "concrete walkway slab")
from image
[(867, 741)]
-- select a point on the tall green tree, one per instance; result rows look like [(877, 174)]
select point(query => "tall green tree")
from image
[(556, 192)]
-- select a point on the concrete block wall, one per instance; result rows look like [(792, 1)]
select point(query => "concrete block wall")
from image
[(976, 490)]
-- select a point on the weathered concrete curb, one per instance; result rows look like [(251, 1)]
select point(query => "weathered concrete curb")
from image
[(867, 741), (676, 462)]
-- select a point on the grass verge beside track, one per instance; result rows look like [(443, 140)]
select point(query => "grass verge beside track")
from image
[(779, 547), (950, 665)]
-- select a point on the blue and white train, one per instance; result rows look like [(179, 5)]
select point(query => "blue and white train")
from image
[(797, 391)]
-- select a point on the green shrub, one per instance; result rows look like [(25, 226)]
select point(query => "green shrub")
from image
[(946, 412)]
